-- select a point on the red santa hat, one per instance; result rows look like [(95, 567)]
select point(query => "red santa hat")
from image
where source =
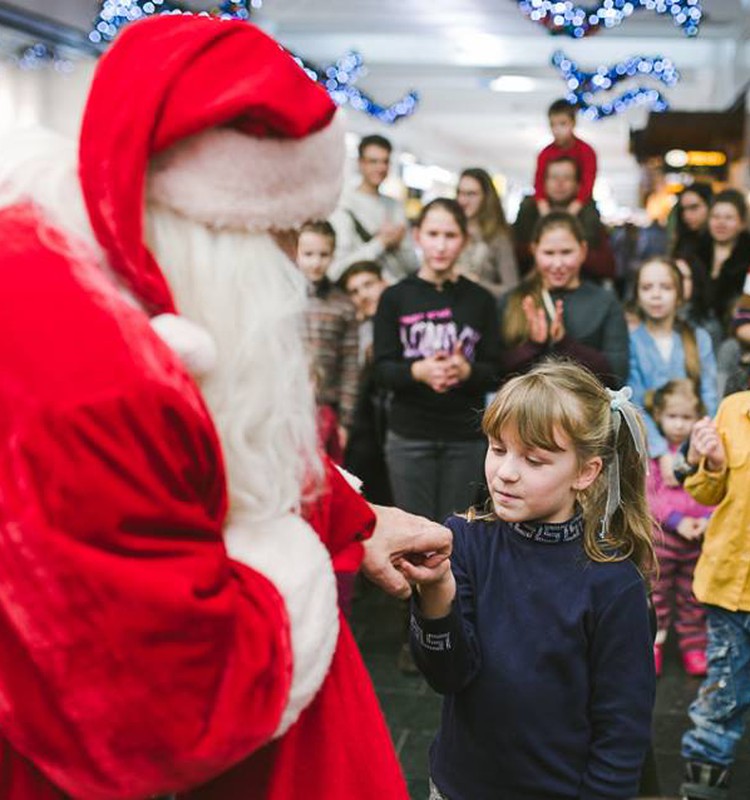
[(245, 136)]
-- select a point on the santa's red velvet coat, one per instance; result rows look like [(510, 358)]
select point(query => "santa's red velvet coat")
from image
[(137, 658)]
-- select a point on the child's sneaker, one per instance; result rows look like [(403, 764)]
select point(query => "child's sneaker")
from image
[(658, 659), (694, 662)]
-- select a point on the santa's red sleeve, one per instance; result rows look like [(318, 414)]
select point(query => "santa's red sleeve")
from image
[(137, 658)]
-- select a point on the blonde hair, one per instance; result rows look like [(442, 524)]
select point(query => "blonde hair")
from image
[(561, 396), (684, 329)]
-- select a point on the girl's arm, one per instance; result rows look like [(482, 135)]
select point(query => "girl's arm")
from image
[(638, 382), (623, 686), (709, 372), (442, 636), (392, 371)]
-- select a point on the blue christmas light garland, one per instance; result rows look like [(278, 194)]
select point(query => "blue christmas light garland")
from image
[(339, 79), (565, 17), (582, 85), (116, 13), (41, 55)]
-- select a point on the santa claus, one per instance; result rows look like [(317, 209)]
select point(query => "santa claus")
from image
[(159, 628)]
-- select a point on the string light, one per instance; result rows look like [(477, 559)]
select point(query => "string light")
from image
[(582, 85), (339, 79), (114, 14), (40, 55), (565, 17)]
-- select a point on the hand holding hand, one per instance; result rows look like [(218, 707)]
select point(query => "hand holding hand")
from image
[(705, 442), (401, 541), (458, 366), (434, 371)]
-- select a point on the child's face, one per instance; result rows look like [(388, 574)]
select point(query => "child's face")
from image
[(529, 484), (440, 239), (677, 418), (559, 256), (314, 255), (657, 292), (364, 290), (562, 127)]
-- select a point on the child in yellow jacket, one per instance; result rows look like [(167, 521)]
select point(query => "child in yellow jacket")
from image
[(719, 456)]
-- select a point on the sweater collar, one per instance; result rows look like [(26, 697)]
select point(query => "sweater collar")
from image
[(551, 532)]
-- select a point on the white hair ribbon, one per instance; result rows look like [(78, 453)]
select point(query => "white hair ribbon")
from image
[(622, 408)]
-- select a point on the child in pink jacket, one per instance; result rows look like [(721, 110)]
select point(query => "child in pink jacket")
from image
[(676, 407)]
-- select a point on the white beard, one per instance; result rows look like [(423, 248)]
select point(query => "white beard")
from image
[(242, 289)]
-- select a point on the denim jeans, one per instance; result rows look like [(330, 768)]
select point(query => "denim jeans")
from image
[(724, 697), (434, 478)]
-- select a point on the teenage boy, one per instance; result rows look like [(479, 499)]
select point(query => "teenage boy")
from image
[(369, 225)]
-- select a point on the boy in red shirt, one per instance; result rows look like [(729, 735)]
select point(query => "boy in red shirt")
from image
[(562, 122)]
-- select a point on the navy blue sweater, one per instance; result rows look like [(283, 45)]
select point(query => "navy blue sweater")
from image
[(546, 664)]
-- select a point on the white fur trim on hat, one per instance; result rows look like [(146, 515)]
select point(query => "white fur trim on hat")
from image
[(227, 179), (192, 344), (290, 554)]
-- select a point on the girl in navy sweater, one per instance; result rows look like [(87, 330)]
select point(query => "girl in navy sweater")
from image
[(538, 632)]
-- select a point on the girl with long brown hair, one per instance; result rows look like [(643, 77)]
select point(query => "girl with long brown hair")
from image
[(537, 632), (488, 256), (664, 347), (557, 312)]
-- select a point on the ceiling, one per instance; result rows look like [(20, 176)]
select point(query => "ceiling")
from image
[(449, 50)]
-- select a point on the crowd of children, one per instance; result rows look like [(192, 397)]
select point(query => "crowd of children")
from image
[(559, 542)]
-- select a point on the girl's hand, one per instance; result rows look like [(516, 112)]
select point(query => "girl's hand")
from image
[(434, 371), (705, 442), (557, 330), (536, 319), (666, 467), (691, 528), (431, 569), (459, 367), (435, 584)]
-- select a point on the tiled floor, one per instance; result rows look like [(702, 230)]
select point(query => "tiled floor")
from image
[(412, 709)]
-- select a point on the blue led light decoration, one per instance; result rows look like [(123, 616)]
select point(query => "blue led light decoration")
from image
[(567, 18), (40, 56), (339, 79), (582, 86), (114, 14)]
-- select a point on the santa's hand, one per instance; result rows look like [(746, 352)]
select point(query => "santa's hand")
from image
[(398, 536)]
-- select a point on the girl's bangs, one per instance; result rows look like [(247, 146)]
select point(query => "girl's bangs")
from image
[(534, 409)]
